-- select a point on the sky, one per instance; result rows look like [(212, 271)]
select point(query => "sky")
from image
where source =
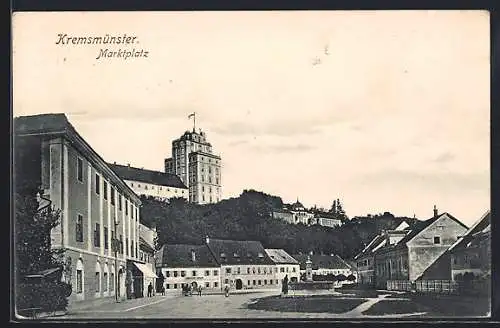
[(385, 110)]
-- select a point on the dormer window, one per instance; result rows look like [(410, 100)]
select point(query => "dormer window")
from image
[(223, 255), (261, 255), (236, 255)]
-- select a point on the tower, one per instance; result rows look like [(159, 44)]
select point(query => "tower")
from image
[(197, 166)]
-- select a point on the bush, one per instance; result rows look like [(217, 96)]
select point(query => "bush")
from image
[(49, 296)]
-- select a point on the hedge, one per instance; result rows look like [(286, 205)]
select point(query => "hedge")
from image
[(48, 296)]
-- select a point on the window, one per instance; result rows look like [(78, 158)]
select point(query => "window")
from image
[(112, 196), (258, 270), (126, 207), (276, 281), (97, 281), (437, 240), (131, 210), (132, 246), (253, 270), (79, 169), (270, 281), (97, 184), (183, 273), (216, 284), (121, 244), (112, 281), (293, 269), (228, 270), (176, 273), (265, 281), (248, 270), (105, 282), (259, 282), (282, 269), (167, 286), (105, 237), (105, 189), (253, 282), (226, 281), (126, 246), (194, 273), (216, 273), (79, 228), (167, 274), (79, 281), (207, 284), (97, 235), (175, 286), (207, 272)]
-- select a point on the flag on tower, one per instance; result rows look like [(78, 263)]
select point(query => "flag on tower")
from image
[(191, 115)]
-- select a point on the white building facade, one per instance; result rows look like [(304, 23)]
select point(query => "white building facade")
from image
[(161, 186)]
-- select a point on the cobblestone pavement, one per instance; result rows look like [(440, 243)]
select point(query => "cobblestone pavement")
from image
[(207, 307)]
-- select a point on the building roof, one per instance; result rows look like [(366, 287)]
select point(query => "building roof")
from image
[(418, 227), (57, 124), (279, 256), (478, 230), (144, 245), (375, 244), (297, 205), (127, 172), (238, 252), (332, 262), (180, 256)]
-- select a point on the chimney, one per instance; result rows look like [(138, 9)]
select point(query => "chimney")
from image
[(207, 240), (435, 211), (193, 255)]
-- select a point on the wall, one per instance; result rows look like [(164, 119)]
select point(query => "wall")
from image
[(89, 262), (76, 197), (290, 270), (476, 259), (213, 279), (365, 265), (250, 276), (154, 190), (422, 249), (391, 264)]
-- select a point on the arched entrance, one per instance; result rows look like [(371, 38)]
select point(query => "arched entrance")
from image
[(194, 285), (239, 284)]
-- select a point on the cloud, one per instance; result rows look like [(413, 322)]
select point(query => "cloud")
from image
[(444, 157), (397, 178), (276, 149), (280, 127), (237, 143)]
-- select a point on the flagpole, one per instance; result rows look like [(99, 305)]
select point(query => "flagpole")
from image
[(194, 122)]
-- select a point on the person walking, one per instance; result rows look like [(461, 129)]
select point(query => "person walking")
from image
[(199, 290), (226, 290), (284, 285), (150, 290)]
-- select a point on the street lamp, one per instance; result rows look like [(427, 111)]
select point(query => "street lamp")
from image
[(115, 244)]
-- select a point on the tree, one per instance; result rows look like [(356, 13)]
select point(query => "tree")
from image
[(32, 236)]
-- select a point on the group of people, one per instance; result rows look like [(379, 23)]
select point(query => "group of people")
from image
[(187, 290)]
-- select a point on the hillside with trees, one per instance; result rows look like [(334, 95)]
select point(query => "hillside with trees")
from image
[(248, 217)]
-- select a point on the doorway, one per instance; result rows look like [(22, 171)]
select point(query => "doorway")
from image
[(239, 284)]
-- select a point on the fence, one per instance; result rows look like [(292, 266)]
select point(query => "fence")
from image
[(441, 286), (401, 285), (437, 286)]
